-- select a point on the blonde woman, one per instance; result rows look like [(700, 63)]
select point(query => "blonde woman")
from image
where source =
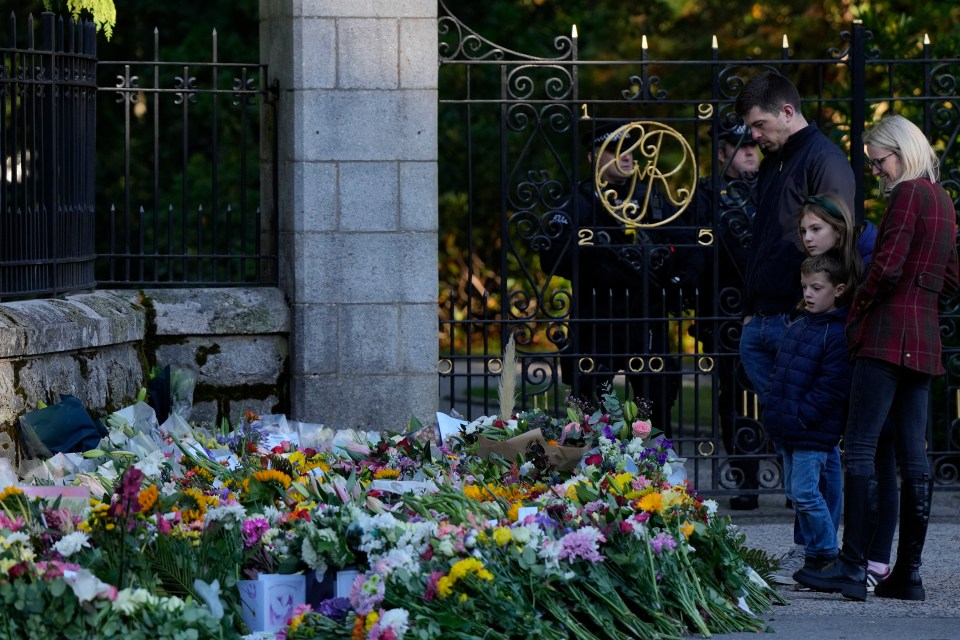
[(894, 336)]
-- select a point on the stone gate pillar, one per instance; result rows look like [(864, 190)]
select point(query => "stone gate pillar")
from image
[(357, 184)]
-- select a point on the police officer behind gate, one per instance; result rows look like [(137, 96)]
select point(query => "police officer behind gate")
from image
[(620, 283), (738, 159)]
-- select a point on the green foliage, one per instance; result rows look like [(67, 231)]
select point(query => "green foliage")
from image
[(102, 12), (38, 609)]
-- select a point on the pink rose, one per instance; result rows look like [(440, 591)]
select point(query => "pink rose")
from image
[(641, 428)]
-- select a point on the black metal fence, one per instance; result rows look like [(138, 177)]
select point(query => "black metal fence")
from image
[(157, 183), (47, 131), (510, 161), (180, 200)]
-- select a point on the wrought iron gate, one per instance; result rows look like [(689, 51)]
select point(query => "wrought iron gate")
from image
[(511, 160)]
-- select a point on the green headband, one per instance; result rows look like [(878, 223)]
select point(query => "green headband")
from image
[(826, 205)]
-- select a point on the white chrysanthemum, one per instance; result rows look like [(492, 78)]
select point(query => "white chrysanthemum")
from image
[(72, 543), (272, 514), (17, 537), (398, 559), (711, 506), (549, 553), (396, 619), (227, 512), (310, 557)]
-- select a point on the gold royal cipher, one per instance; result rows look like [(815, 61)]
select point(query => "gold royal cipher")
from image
[(653, 145)]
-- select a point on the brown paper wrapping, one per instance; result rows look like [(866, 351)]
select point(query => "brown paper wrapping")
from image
[(563, 458)]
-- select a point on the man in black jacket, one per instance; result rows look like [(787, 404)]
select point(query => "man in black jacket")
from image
[(619, 275), (798, 161)]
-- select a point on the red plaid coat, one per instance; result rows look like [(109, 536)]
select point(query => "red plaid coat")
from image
[(894, 312)]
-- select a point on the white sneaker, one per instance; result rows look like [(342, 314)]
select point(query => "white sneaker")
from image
[(874, 578), (790, 563)]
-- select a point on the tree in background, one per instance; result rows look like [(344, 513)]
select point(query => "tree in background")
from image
[(102, 12)]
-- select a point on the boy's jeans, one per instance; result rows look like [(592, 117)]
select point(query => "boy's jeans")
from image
[(802, 472)]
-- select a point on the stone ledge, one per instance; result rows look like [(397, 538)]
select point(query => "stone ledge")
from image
[(222, 311), (78, 321)]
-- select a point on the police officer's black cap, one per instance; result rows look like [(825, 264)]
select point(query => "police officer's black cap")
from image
[(737, 134), (593, 134)]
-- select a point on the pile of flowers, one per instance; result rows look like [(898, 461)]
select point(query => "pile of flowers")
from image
[(444, 543)]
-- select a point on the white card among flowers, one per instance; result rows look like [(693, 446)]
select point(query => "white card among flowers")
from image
[(268, 602)]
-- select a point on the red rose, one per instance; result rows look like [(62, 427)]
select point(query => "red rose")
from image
[(595, 459)]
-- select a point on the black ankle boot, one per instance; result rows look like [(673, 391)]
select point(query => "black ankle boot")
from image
[(904, 582), (848, 574), (813, 564)]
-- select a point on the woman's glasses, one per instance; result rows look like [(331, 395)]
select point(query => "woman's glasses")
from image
[(878, 163)]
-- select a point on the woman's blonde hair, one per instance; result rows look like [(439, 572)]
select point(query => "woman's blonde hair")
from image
[(900, 136), (830, 208)]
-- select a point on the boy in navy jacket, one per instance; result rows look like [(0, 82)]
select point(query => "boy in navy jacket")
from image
[(808, 395)]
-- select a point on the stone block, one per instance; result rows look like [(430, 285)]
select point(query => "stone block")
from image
[(293, 143), (368, 196), (314, 62), (364, 268), (219, 311), (14, 402), (274, 9), (418, 196), (369, 339), (419, 348), (368, 8), (289, 275), (368, 125), (276, 49), (103, 379), (316, 334), (367, 53), (310, 203), (418, 53), (79, 321), (228, 361)]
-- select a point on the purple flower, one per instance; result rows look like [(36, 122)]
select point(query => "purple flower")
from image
[(662, 540), (583, 543), (128, 501), (253, 530), (335, 608), (366, 593), (608, 433)]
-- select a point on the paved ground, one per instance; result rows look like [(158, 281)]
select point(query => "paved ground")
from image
[(831, 617)]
